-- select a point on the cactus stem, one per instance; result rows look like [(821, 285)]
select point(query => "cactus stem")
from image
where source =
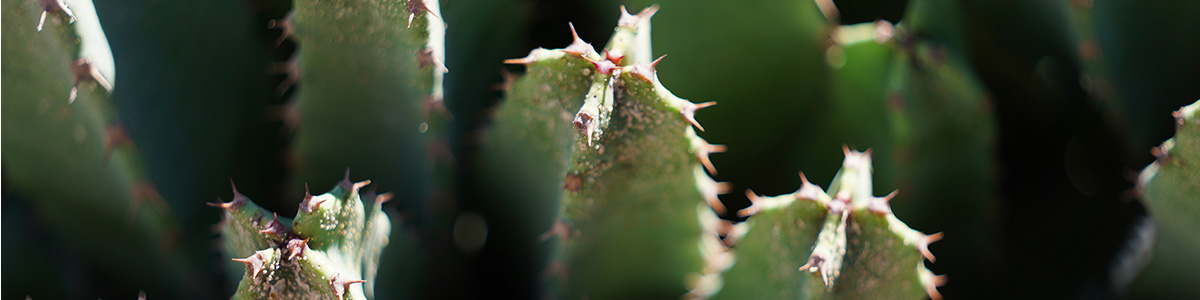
[(631, 21), (285, 25), (54, 6), (383, 198), (689, 112), (341, 285), (830, 249)]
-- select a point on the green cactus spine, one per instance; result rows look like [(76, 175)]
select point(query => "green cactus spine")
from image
[(332, 245), (859, 249)]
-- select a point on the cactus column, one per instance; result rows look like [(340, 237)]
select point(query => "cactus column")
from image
[(626, 165)]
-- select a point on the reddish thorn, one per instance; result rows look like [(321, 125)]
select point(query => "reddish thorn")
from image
[(931, 288), (577, 46), (616, 60), (656, 61), (243, 260), (574, 34), (689, 112), (891, 195), (285, 25), (604, 66), (296, 247), (923, 245), (383, 198), (705, 151), (559, 229), (273, 227), (359, 185), (754, 206), (346, 183)]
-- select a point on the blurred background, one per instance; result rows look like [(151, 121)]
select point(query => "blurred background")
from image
[(1015, 127)]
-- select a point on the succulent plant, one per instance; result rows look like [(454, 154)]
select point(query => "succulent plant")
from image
[(842, 243), (61, 123), (1170, 187), (370, 76), (332, 245), (621, 156)]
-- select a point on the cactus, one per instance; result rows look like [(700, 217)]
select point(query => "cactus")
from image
[(60, 126), (626, 163), (859, 249), (332, 245), (369, 75), (1170, 187)]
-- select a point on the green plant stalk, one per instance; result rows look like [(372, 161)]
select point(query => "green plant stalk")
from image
[(368, 74), (859, 249), (60, 127), (1170, 186), (332, 245)]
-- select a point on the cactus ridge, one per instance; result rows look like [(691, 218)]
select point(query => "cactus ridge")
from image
[(855, 232), (332, 245)]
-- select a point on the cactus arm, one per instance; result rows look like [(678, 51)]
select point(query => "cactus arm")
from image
[(862, 251)]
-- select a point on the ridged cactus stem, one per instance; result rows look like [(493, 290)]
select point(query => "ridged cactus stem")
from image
[(858, 248), (330, 250), (632, 178)]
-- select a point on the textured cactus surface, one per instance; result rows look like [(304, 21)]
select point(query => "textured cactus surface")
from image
[(368, 74), (843, 243), (330, 250), (60, 126), (626, 163), (1171, 188)]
